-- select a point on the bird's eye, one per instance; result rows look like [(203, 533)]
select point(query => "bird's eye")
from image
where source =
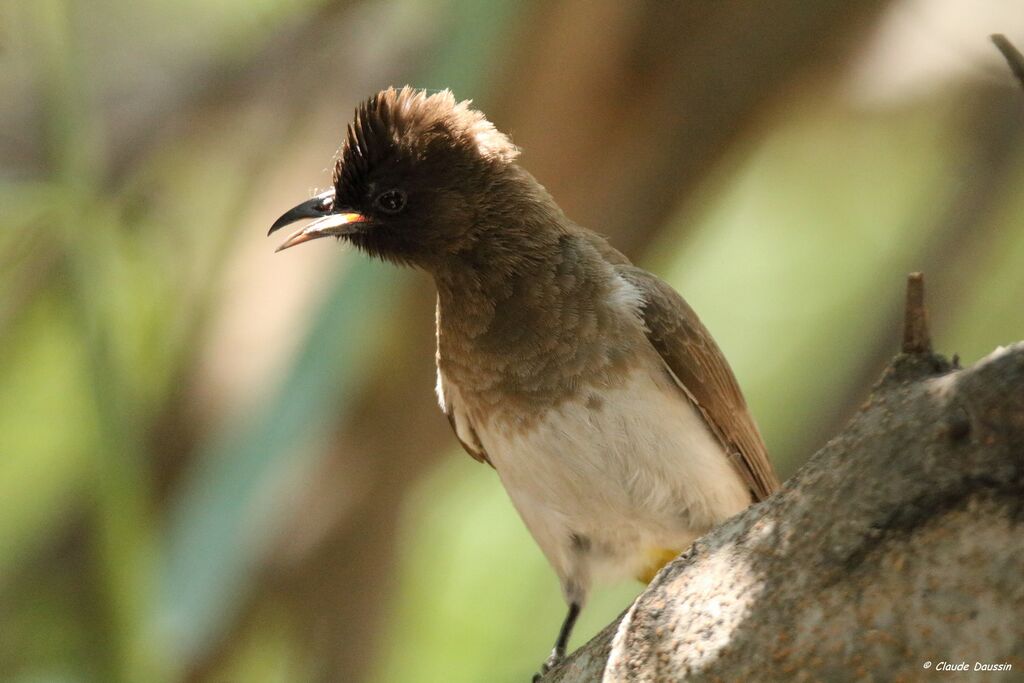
[(390, 201)]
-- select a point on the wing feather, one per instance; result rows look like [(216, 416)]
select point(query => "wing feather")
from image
[(701, 370), (475, 450)]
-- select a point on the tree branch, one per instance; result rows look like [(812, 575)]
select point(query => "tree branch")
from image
[(917, 560), (916, 338)]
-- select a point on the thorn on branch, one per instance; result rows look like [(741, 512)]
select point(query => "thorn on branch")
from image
[(916, 338), (1012, 55)]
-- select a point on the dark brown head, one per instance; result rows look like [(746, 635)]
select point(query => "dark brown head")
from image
[(411, 179)]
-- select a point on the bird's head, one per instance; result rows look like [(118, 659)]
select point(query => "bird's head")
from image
[(410, 178)]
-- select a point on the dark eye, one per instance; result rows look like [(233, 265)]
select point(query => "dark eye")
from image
[(390, 201)]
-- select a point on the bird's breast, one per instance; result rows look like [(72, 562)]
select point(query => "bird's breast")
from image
[(538, 352), (628, 467), (586, 427)]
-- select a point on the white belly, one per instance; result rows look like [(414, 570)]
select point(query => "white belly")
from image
[(634, 471)]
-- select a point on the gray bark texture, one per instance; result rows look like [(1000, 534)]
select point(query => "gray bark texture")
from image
[(898, 544)]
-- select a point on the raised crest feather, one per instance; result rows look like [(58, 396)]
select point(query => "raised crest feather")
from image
[(408, 122)]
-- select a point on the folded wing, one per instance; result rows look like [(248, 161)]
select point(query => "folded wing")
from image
[(704, 375)]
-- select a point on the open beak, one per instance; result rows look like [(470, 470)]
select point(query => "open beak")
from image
[(328, 221)]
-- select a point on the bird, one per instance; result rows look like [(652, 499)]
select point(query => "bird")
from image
[(589, 385)]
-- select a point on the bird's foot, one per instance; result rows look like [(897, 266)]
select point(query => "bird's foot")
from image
[(550, 663)]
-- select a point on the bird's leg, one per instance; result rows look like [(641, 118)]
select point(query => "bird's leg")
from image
[(558, 652), (575, 585)]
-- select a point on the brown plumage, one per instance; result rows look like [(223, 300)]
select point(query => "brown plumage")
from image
[(694, 358), (592, 388), (673, 329)]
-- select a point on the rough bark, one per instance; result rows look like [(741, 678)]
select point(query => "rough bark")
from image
[(898, 544)]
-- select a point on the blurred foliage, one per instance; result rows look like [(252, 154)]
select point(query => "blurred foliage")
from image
[(832, 240), (147, 503)]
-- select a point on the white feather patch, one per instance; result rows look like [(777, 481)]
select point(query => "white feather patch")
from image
[(638, 472), (626, 297)]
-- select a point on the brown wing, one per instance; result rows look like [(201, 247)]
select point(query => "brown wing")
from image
[(697, 362), (476, 451), (464, 432)]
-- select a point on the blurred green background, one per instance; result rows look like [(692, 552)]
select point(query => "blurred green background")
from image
[(218, 464)]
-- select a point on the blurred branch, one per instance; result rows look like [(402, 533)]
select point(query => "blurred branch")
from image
[(622, 109), (923, 488), (1014, 59)]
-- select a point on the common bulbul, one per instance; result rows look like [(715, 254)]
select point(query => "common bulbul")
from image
[(604, 405)]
